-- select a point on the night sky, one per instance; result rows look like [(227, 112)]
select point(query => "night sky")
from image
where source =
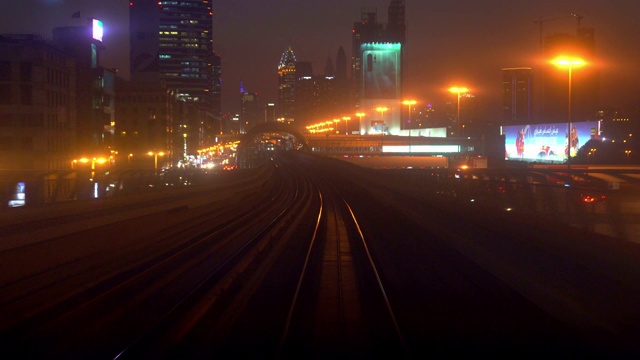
[(464, 42)]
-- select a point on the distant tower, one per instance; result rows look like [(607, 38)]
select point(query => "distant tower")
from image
[(341, 64), (329, 70), (287, 85), (343, 97), (250, 112), (516, 92), (305, 92)]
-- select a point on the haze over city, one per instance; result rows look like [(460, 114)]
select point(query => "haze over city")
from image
[(463, 180), (448, 42)]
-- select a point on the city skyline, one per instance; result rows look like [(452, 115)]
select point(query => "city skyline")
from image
[(448, 42)]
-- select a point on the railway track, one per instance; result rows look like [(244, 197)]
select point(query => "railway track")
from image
[(340, 307), (43, 311), (310, 266)]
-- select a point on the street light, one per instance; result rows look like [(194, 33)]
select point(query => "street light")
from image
[(382, 109), (458, 90), (93, 161), (346, 121), (569, 63), (360, 115), (155, 155), (336, 121), (409, 103)]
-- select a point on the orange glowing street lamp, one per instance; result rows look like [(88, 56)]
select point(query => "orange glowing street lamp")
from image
[(382, 109), (155, 155), (458, 90), (409, 103), (568, 63), (346, 122), (360, 115)]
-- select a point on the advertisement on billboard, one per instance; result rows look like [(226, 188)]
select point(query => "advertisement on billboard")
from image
[(381, 68), (547, 142), (97, 29)]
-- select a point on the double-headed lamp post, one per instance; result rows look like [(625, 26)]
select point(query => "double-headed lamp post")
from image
[(155, 155), (346, 126), (569, 63), (458, 90), (409, 103)]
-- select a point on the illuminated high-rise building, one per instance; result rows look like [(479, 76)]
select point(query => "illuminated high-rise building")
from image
[(171, 43), (287, 86)]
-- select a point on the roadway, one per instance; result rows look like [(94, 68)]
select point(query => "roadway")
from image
[(307, 256)]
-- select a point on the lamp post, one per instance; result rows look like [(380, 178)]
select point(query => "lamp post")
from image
[(346, 127), (360, 115), (155, 155), (93, 161), (382, 109), (336, 121), (409, 103), (458, 90), (569, 63)]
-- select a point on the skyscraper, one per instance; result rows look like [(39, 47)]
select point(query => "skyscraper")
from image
[(287, 85), (378, 71), (171, 43)]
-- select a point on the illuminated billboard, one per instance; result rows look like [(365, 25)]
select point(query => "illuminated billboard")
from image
[(381, 70), (98, 29), (547, 142)]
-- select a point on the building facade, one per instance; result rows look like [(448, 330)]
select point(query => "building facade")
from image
[(38, 117), (172, 44), (94, 86), (378, 69)]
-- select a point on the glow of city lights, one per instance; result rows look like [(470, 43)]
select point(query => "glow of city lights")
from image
[(568, 62)]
